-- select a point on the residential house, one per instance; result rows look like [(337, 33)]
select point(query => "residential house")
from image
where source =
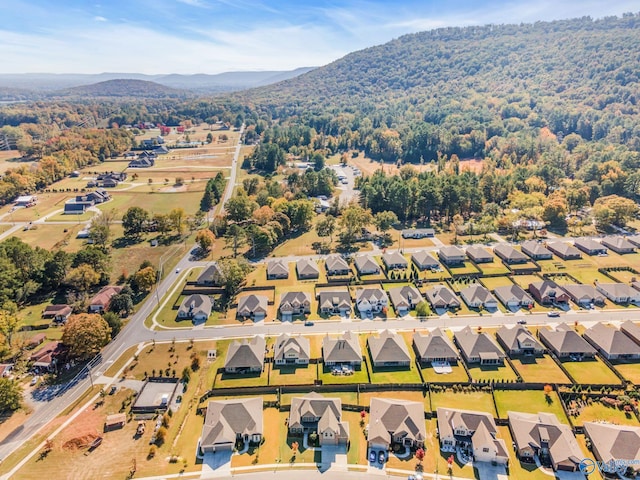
[(343, 350), (336, 265), (394, 261), (294, 303), (398, 422), (80, 204), (315, 413), (228, 422), (59, 313), (536, 250), (590, 246), (618, 244), (548, 293), (564, 250), (197, 307), (291, 350), (509, 255), (518, 341), (542, 435), (404, 299), (478, 347), (212, 276), (307, 269), (612, 343), (253, 306), (564, 342), (418, 233), (477, 296), (634, 239), (631, 330), (388, 350), (26, 201), (425, 261), (619, 292), (434, 347), (46, 357), (142, 162), (100, 302), (479, 254), (36, 340), (442, 297), (277, 269), (245, 356), (161, 150), (513, 296), (584, 295), (451, 255), (371, 300), (472, 432), (335, 302), (366, 265), (612, 444)]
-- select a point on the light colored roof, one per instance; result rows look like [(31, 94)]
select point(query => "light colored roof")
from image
[(477, 292), (307, 267), (618, 242), (614, 442), (583, 292), (388, 347), (507, 251), (294, 299), (366, 263), (565, 340), (226, 419), (476, 252), (57, 310), (315, 405), (372, 294), (589, 244), (611, 340), (334, 299), (345, 348), (211, 274), (452, 251), (618, 289), (547, 288), (424, 258), (400, 296), (479, 423), (394, 258), (442, 294), (336, 263), (246, 353), (631, 329), (277, 267), (473, 344), (509, 292), (196, 304), (396, 417), (435, 345), (286, 343), (534, 248), (115, 419), (252, 303), (563, 248), (515, 336)]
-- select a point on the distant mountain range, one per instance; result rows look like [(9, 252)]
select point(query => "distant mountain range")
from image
[(38, 85)]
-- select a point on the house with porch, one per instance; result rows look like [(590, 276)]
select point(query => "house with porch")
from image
[(536, 250), (620, 293), (366, 265), (307, 269), (513, 297), (371, 300), (253, 306), (388, 350), (590, 246), (315, 413), (479, 255), (442, 297), (196, 307), (434, 347), (612, 343), (229, 422), (336, 265), (631, 330), (59, 313), (518, 340), (245, 356), (392, 422), (478, 347), (564, 250), (394, 260), (618, 244), (423, 260), (294, 303), (451, 255), (100, 301), (510, 255), (405, 299), (212, 276), (418, 233), (342, 350), (477, 296), (584, 295), (291, 350), (564, 342), (335, 302), (614, 443), (548, 292), (277, 270)]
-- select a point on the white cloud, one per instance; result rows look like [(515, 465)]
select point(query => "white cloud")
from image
[(98, 18), (194, 3)]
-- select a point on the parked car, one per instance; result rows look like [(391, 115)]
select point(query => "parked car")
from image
[(553, 314), (34, 380), (113, 389), (522, 322), (381, 457), (372, 456), (308, 323), (177, 270)]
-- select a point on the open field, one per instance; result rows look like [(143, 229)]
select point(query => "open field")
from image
[(539, 369), (358, 376), (525, 280), (591, 371), (153, 202), (467, 268), (47, 203), (528, 401), (51, 237)]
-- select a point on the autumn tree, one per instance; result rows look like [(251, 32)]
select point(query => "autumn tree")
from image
[(326, 226), (205, 238), (144, 279), (613, 210), (177, 218), (240, 207), (133, 221), (82, 278), (85, 334), (354, 218), (385, 220), (10, 395), (8, 325)]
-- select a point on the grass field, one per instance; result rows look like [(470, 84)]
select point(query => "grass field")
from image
[(467, 268), (539, 369), (494, 282), (359, 376), (51, 237), (629, 370), (525, 280), (497, 373), (154, 202), (597, 412), (528, 401), (480, 401), (591, 371), (292, 375), (493, 268)]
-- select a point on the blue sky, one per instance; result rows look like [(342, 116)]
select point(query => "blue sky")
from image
[(213, 36)]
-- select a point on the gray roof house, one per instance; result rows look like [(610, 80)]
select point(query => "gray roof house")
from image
[(477, 296), (291, 350), (196, 307), (315, 413), (614, 443), (341, 350), (307, 268), (366, 265), (404, 298), (336, 265), (277, 269), (631, 330), (565, 342), (228, 421), (618, 244), (418, 233), (245, 356), (634, 239), (424, 260), (564, 250), (536, 250), (253, 306), (611, 342), (442, 297), (518, 341), (294, 303), (396, 422), (584, 295), (478, 347), (509, 254), (211, 276), (335, 302), (479, 254), (513, 296), (434, 347), (371, 300), (388, 350), (548, 292), (590, 246), (394, 260), (619, 292), (542, 434), (472, 430), (451, 255)]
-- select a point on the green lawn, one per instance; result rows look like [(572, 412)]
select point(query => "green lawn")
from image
[(523, 266), (458, 374), (480, 401), (493, 268), (597, 412), (539, 369), (156, 202), (490, 372), (350, 398), (629, 370), (528, 401), (591, 371), (467, 268), (525, 280), (394, 374), (358, 376), (292, 375)]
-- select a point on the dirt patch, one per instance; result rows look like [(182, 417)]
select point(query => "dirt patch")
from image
[(174, 189), (79, 442), (82, 431)]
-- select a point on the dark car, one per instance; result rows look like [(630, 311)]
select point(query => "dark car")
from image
[(381, 457), (372, 456)]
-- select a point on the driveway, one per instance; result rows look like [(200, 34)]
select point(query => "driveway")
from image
[(486, 471), (217, 464), (334, 454)]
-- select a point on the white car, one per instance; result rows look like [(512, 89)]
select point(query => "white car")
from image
[(177, 270), (34, 380)]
